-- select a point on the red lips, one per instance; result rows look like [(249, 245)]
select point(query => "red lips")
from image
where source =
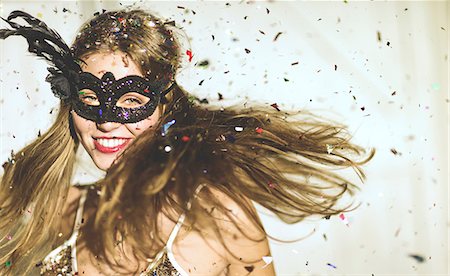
[(110, 145)]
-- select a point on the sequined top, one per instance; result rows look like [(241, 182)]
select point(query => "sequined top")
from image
[(62, 261)]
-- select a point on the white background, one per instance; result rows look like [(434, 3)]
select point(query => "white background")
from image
[(404, 202)]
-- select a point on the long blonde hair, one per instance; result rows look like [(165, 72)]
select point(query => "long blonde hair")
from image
[(33, 190), (244, 153)]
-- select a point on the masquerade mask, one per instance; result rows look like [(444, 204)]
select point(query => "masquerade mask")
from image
[(127, 100), (99, 100)]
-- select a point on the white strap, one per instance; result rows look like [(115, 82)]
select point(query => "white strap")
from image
[(76, 228)]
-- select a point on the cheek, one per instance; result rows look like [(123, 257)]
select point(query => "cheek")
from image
[(141, 126), (81, 125)]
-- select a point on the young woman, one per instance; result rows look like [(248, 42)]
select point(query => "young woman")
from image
[(181, 177)]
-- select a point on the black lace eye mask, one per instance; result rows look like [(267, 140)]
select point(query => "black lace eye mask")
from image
[(67, 80), (104, 105)]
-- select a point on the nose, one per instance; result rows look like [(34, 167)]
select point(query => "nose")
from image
[(108, 126)]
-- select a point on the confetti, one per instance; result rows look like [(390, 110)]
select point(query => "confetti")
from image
[(203, 63), (220, 96), (275, 105), (166, 126), (271, 185), (167, 148), (379, 36), (185, 138), (8, 263), (9, 237), (259, 130), (267, 260), (294, 63), (238, 128), (418, 258), (333, 266), (335, 67), (436, 86), (247, 51), (189, 53), (250, 268), (330, 148), (277, 36), (344, 219)]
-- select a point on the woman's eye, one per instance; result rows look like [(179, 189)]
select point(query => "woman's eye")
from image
[(131, 100), (88, 98)]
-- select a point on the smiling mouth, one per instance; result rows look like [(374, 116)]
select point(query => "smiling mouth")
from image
[(110, 145)]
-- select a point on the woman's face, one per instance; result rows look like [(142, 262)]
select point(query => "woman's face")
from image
[(106, 141)]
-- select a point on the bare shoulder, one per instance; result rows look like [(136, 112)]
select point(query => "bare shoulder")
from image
[(244, 240)]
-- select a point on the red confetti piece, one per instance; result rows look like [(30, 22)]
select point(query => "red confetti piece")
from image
[(259, 130), (185, 138), (271, 185), (146, 90), (344, 219), (189, 53)]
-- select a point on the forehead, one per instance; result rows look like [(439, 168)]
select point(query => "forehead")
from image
[(118, 63)]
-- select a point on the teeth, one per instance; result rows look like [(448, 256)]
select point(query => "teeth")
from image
[(111, 143)]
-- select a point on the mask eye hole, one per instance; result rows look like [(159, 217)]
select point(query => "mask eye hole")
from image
[(132, 100), (88, 97)]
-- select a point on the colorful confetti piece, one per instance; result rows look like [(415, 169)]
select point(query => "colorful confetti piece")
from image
[(331, 265), (166, 126), (189, 53), (344, 219)]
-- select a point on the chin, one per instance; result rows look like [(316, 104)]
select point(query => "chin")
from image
[(104, 162)]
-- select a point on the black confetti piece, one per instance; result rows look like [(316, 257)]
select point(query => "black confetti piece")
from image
[(250, 268), (277, 36), (418, 258)]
